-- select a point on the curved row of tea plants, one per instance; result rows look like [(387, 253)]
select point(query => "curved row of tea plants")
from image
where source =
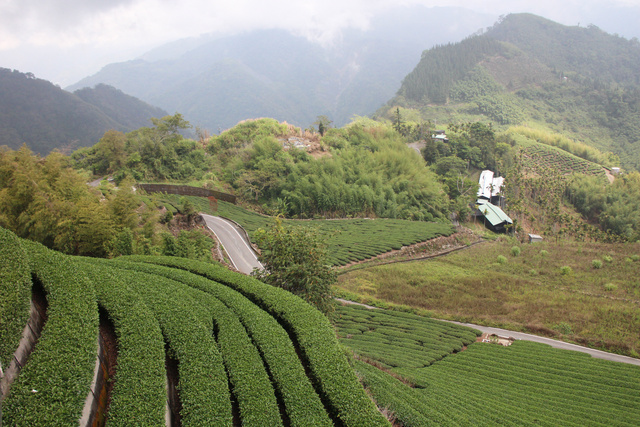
[(397, 339), (219, 337), (541, 157), (41, 395), (15, 294), (302, 404), (203, 384), (486, 384), (140, 361), (332, 375)]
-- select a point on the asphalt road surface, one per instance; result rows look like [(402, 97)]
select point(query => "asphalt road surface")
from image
[(240, 252)]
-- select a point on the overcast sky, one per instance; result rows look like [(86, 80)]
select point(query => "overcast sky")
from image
[(65, 40)]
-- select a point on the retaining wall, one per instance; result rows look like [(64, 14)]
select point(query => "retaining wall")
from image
[(186, 190)]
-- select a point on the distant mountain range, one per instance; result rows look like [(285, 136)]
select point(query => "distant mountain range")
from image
[(45, 117), (577, 81), (217, 82)]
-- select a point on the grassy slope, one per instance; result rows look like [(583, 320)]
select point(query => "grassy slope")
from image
[(598, 307)]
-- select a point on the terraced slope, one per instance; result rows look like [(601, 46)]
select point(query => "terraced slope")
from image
[(246, 353), (419, 370), (542, 158)]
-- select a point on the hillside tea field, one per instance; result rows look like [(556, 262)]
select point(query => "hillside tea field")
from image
[(426, 372), (348, 240), (542, 158), (246, 353), (550, 289)]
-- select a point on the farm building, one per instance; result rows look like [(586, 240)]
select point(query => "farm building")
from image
[(440, 135), (495, 218), (485, 185), (533, 238), (490, 187)]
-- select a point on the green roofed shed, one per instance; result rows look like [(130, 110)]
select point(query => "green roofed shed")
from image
[(496, 218)]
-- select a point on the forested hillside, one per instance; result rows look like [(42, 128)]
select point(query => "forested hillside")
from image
[(43, 116), (354, 171), (580, 82)]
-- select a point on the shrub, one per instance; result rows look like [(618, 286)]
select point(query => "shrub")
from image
[(515, 251), (635, 257), (565, 270), (335, 380), (610, 287), (564, 328), (15, 294), (502, 259), (141, 355), (607, 258), (61, 367), (544, 253), (596, 263)]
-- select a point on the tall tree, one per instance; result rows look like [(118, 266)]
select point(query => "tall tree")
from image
[(295, 259)]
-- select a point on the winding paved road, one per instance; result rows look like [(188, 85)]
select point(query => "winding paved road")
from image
[(244, 259), (233, 239)]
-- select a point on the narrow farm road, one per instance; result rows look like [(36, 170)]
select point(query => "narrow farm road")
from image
[(229, 235), (529, 337), (553, 343)]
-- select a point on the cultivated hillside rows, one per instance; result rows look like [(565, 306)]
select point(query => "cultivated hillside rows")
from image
[(247, 353), (440, 376)]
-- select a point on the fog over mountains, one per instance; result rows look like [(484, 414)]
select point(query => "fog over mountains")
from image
[(217, 81)]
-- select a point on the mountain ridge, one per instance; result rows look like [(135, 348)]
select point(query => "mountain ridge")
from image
[(45, 117), (354, 75)]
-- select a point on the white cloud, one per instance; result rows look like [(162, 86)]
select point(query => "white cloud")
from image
[(116, 27)]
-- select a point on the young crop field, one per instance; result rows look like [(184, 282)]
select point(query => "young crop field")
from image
[(546, 288), (348, 240), (542, 158), (247, 353), (426, 372)]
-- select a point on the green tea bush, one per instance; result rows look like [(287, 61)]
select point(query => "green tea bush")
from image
[(15, 294), (502, 259), (334, 378), (302, 404), (515, 251), (596, 263), (141, 356), (53, 385)]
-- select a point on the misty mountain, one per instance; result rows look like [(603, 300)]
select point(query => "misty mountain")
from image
[(217, 81), (45, 117), (578, 81)]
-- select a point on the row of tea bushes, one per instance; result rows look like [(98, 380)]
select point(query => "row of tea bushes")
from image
[(334, 379), (52, 387), (140, 362), (485, 384), (301, 403), (15, 294)]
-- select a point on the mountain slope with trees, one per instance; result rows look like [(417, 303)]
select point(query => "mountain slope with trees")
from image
[(579, 82), (43, 116)]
